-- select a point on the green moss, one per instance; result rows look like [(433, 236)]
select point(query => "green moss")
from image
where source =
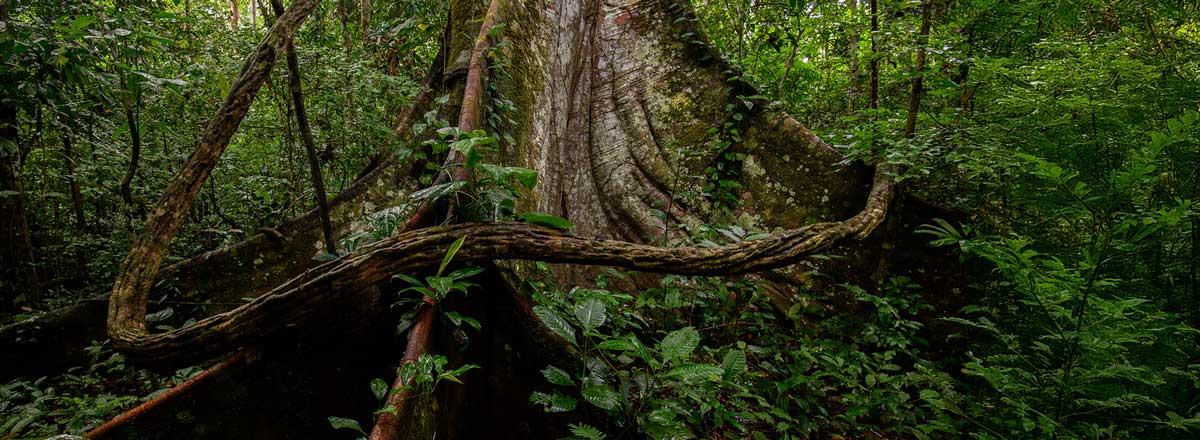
[(523, 75)]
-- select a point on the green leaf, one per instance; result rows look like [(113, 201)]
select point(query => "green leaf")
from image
[(450, 254), (161, 315), (344, 423), (696, 372), (557, 376), (447, 132), (462, 145), (458, 320), (734, 363), (554, 403), (379, 388), (617, 345), (8, 148), (440, 285), (591, 314), (679, 344), (389, 409), (543, 219), (438, 191), (409, 279), (82, 22), (473, 158), (453, 375), (602, 396), (586, 432), (407, 373), (465, 272), (526, 177), (555, 322)]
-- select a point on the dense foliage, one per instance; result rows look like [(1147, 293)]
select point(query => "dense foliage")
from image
[(1064, 136), (1067, 133), (88, 77)]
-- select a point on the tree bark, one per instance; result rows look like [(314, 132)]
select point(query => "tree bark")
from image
[(364, 19), (76, 201), (235, 14), (966, 99), (917, 83), (787, 68), (135, 153), (853, 54), (73, 182), (344, 18), (873, 99), (306, 137)]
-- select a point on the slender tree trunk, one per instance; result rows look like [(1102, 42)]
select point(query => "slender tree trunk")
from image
[(344, 18), (787, 69), (73, 181), (236, 14), (873, 98), (853, 54), (1194, 261), (76, 199), (828, 61), (966, 100), (135, 154), (306, 137), (364, 19), (917, 84)]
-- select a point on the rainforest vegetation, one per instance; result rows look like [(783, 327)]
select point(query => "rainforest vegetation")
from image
[(668, 219)]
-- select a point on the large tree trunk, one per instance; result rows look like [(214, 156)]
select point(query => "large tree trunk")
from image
[(614, 114)]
